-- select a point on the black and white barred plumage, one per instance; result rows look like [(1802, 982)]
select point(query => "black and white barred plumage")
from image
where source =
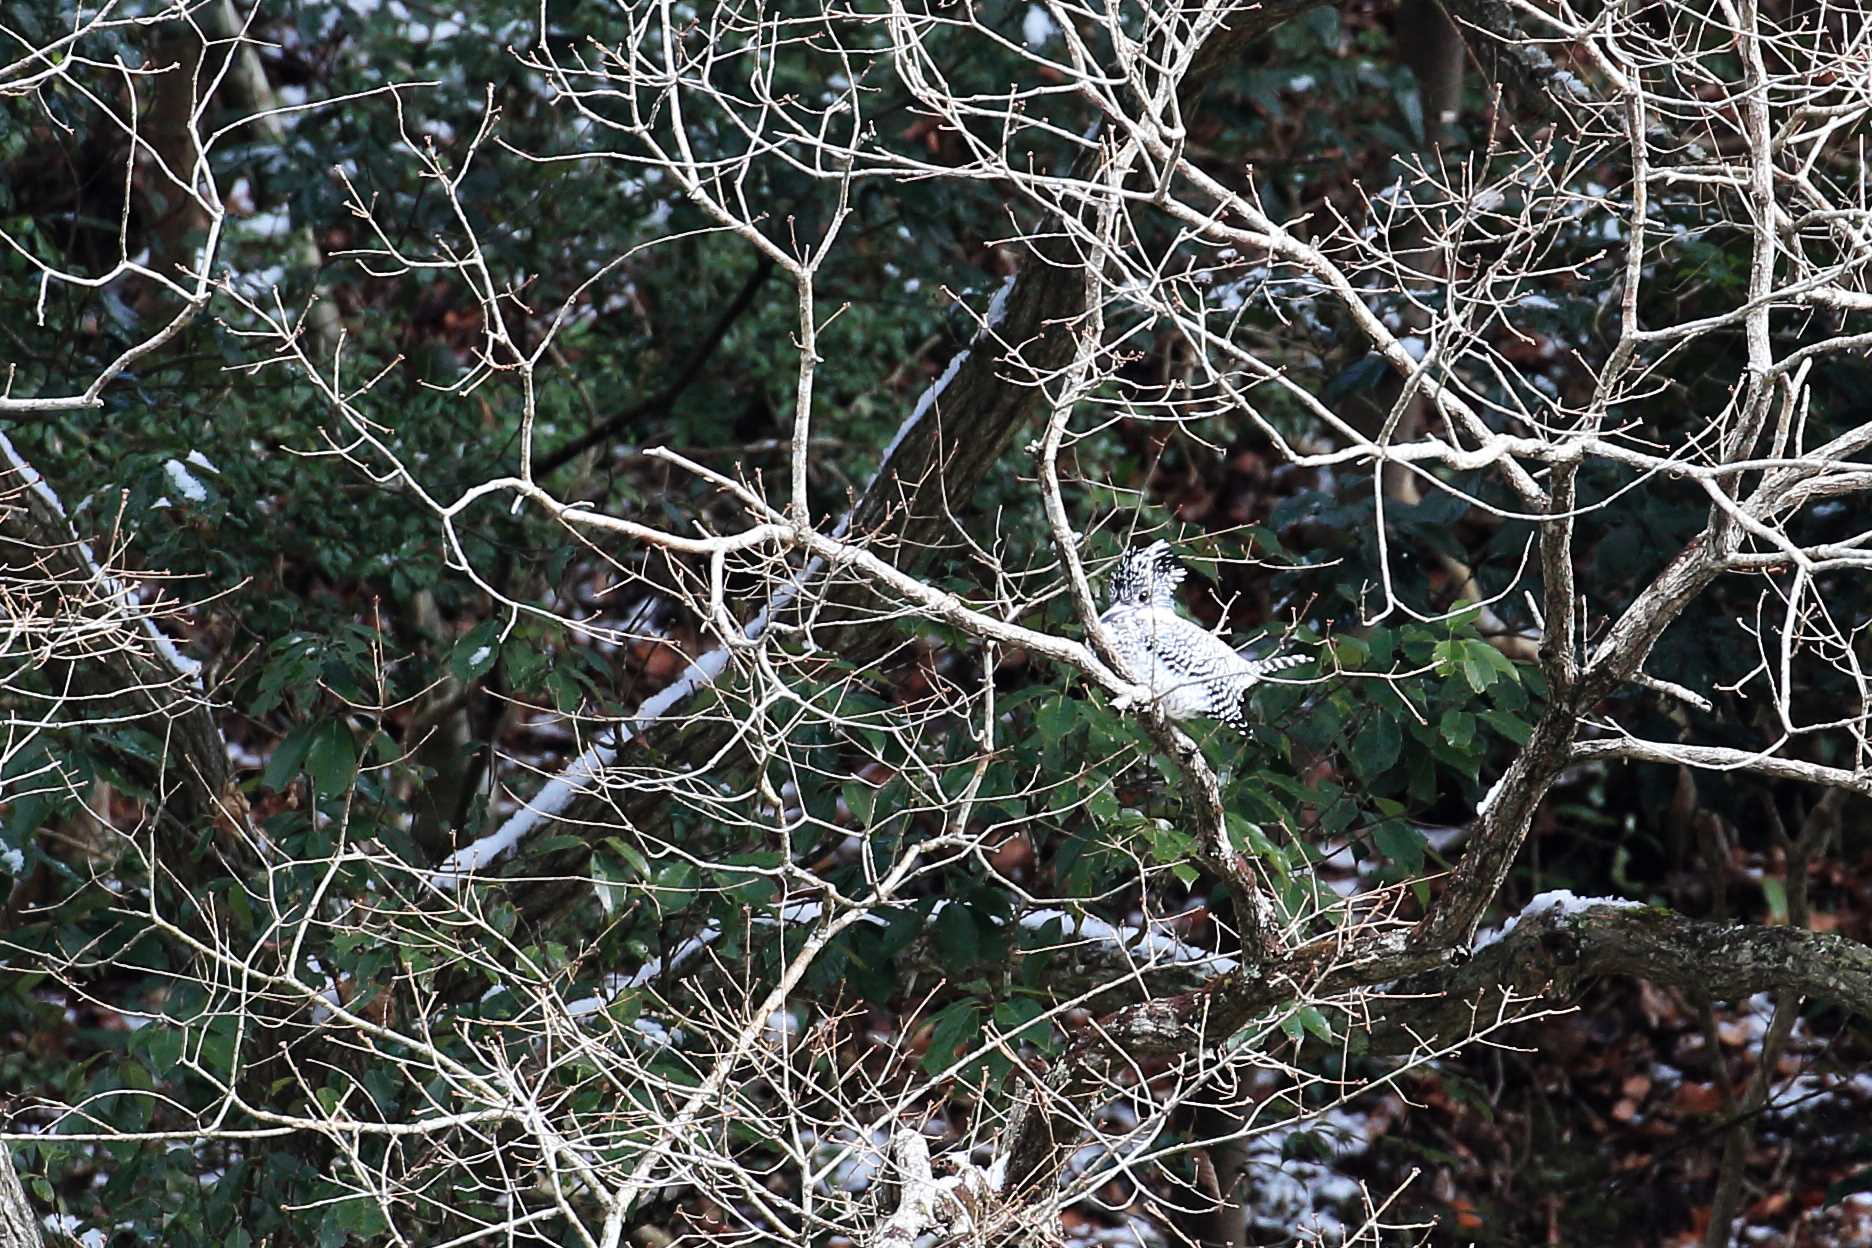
[(1188, 671)]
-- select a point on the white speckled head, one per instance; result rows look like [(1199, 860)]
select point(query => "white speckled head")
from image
[(1145, 576)]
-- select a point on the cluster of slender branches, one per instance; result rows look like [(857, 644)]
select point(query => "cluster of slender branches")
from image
[(562, 1101)]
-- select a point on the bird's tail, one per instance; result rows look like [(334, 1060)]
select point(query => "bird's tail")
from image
[(1236, 715), (1277, 663)]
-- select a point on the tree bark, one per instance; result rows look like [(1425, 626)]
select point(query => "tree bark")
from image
[(188, 782), (1551, 956), (19, 1226)]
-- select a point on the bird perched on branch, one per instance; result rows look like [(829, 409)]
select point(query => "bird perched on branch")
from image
[(1186, 669)]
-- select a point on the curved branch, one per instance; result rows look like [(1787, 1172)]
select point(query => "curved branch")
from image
[(1557, 953), (1556, 948), (1722, 758)]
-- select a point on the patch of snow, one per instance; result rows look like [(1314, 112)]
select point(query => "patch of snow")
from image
[(185, 481), (1233, 294), (1150, 946), (1488, 798), (1037, 26), (784, 1028), (656, 1033), (857, 1164), (260, 281), (1759, 1012), (108, 584), (557, 794), (67, 1225), (1294, 1193), (588, 768), (269, 224), (932, 395), (1561, 902)]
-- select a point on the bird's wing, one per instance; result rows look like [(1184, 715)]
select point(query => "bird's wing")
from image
[(1186, 646)]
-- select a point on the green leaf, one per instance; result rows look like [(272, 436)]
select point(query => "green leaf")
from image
[(1012, 1016), (675, 886), (626, 1007), (566, 694), (474, 654), (1363, 374), (523, 665), (1482, 664), (1463, 614), (1247, 837), (957, 942), (1501, 662), (1351, 653), (1322, 22), (287, 756), (955, 1032), (1457, 728), (1376, 748), (360, 1217), (1852, 1184), (1401, 843), (1513, 727), (1056, 719), (1774, 892), (1315, 1023), (332, 757), (612, 877), (163, 1049), (1307, 1146), (861, 800), (1379, 643)]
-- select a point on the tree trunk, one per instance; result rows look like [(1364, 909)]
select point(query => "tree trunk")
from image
[(19, 1226)]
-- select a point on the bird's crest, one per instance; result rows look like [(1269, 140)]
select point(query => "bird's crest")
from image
[(1146, 576)]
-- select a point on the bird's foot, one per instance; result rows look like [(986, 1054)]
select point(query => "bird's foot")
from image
[(1136, 695)]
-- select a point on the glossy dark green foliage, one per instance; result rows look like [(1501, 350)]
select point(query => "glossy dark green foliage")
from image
[(329, 596)]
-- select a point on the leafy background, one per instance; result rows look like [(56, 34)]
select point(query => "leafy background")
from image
[(326, 597)]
